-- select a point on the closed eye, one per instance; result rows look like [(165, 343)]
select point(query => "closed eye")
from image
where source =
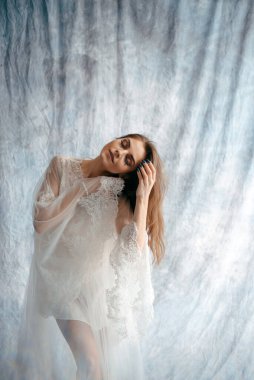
[(126, 144)]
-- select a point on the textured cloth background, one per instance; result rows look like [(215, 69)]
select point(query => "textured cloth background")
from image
[(76, 74)]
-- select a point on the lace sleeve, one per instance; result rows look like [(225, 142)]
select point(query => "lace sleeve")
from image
[(130, 300), (49, 206)]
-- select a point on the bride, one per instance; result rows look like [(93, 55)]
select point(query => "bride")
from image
[(89, 297)]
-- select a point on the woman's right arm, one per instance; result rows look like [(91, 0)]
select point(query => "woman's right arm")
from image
[(50, 207)]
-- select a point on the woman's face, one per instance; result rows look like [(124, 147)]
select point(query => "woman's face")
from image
[(123, 155)]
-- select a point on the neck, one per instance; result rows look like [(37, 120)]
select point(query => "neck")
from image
[(94, 168)]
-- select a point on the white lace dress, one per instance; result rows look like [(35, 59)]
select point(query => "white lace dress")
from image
[(84, 268)]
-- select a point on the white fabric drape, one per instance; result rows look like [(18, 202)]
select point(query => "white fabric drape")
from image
[(85, 267)]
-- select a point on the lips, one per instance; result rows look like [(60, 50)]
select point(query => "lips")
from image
[(111, 155)]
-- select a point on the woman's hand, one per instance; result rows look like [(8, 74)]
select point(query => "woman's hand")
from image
[(146, 176)]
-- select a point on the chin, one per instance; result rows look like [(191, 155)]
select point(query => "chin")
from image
[(107, 163), (107, 160)]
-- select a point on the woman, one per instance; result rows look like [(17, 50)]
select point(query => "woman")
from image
[(89, 297)]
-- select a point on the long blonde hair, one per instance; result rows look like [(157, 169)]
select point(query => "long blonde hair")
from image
[(155, 225)]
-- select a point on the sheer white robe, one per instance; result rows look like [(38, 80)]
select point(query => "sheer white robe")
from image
[(86, 266)]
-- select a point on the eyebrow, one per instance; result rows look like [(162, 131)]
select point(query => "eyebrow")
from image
[(131, 154)]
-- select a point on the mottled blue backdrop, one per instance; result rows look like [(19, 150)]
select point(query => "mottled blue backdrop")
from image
[(76, 74)]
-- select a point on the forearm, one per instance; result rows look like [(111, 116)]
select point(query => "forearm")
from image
[(140, 214)]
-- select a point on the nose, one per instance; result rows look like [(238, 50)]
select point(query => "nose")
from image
[(117, 154)]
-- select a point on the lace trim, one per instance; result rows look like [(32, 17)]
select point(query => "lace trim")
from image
[(143, 303), (104, 201), (72, 171), (75, 165), (114, 184), (130, 300), (128, 241)]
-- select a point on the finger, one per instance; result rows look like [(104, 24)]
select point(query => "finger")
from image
[(151, 166), (139, 174), (144, 174), (153, 170), (143, 170), (149, 172), (147, 167)]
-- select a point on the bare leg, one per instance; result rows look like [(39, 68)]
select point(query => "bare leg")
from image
[(83, 346)]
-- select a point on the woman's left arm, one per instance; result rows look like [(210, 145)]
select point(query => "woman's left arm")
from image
[(146, 176)]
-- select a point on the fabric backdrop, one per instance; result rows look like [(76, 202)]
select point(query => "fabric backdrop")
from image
[(76, 74)]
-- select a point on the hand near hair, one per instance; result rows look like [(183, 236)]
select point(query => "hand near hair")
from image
[(146, 174)]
